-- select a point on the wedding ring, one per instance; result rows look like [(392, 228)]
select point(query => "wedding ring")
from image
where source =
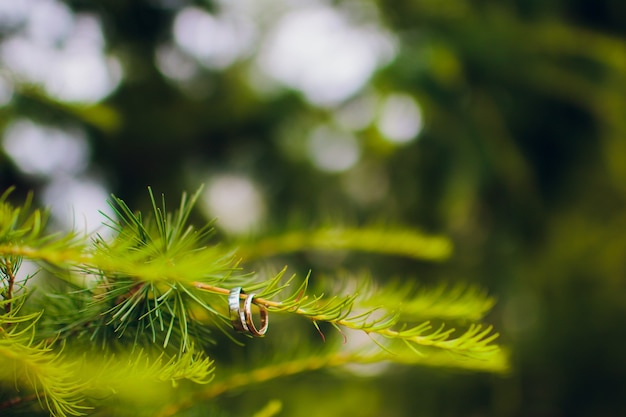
[(237, 317), (248, 317)]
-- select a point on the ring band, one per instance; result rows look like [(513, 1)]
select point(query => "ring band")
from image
[(248, 316), (237, 317)]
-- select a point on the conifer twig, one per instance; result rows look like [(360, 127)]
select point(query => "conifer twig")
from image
[(475, 338), (384, 241), (260, 375)]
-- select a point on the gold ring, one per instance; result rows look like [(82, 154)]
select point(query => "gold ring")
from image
[(265, 320)]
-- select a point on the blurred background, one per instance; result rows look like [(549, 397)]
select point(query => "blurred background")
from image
[(499, 124)]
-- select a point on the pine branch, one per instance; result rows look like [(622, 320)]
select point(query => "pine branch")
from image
[(400, 242), (151, 272), (161, 286), (292, 359), (256, 376), (457, 302), (476, 340), (37, 366), (62, 385), (146, 369), (22, 234)]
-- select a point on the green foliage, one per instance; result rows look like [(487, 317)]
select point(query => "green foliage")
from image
[(35, 365), (147, 307)]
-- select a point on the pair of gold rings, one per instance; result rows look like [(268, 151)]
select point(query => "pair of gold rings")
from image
[(241, 313)]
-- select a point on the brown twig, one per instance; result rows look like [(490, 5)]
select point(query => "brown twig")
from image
[(10, 275), (225, 291), (17, 400)]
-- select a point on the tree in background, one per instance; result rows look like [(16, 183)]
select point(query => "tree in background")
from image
[(500, 125)]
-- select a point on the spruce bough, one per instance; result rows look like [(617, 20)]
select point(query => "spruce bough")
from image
[(147, 307)]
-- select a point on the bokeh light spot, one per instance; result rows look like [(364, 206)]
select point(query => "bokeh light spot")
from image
[(62, 52), (78, 203), (49, 23), (174, 64), (236, 202), (400, 119), (319, 52), (215, 41), (45, 151), (333, 150)]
